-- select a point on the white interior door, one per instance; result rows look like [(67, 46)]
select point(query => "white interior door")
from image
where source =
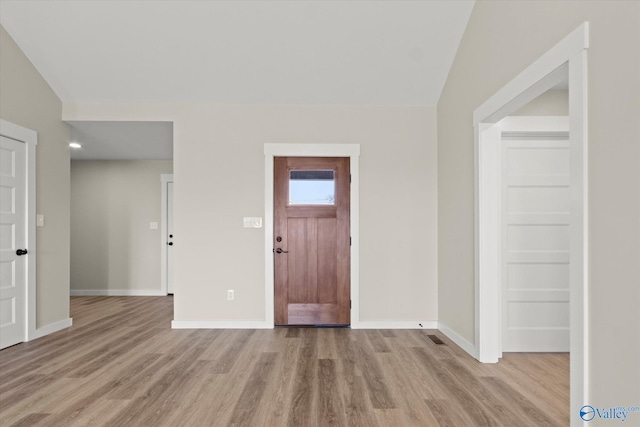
[(169, 226), (535, 241), (12, 241)]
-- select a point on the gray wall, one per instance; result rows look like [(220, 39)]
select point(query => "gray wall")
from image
[(112, 247), (27, 100), (550, 103), (502, 39), (219, 172)]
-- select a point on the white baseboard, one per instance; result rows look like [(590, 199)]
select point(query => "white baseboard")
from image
[(51, 328), (458, 340), (220, 324), (260, 324), (118, 292), (430, 324)]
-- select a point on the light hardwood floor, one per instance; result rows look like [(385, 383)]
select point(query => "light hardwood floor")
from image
[(121, 365)]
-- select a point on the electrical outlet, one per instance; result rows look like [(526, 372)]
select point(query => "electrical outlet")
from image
[(230, 295)]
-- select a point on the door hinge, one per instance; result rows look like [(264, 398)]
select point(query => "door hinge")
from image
[(349, 240)]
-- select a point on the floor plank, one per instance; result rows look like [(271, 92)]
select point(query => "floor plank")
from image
[(121, 364)]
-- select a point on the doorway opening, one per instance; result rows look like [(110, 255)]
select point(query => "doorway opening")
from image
[(116, 206), (532, 163), (565, 61), (273, 151)]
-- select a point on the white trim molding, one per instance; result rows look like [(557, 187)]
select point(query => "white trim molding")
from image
[(30, 138), (220, 324), (537, 124), (384, 324), (165, 178), (566, 60), (118, 292), (258, 324), (312, 150), (457, 339), (51, 328), (537, 78)]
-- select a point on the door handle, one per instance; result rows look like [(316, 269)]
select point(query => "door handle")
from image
[(21, 252), (280, 251), (170, 243)]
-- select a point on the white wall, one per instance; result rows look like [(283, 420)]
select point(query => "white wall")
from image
[(502, 39), (113, 250), (219, 174), (27, 100)]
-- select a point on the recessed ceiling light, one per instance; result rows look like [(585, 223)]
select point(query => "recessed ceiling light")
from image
[(74, 145)]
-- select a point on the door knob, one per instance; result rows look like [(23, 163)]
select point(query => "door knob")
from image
[(280, 251), (170, 243), (21, 252)]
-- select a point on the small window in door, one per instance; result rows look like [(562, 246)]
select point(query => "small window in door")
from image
[(312, 187)]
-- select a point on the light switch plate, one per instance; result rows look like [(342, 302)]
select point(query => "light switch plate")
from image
[(252, 222), (153, 225), (39, 220)]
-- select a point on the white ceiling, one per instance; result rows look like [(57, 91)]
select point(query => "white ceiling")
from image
[(232, 52), (237, 52), (122, 140)]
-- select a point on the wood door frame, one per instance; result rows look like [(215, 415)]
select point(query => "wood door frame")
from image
[(311, 150), (30, 139), (567, 59), (165, 179)]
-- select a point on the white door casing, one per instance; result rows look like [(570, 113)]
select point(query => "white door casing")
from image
[(312, 150), (170, 239), (13, 237), (166, 250), (568, 58), (535, 219)]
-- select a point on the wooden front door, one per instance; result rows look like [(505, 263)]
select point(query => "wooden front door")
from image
[(312, 241)]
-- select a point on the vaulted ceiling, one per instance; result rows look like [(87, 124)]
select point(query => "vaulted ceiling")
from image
[(239, 52)]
